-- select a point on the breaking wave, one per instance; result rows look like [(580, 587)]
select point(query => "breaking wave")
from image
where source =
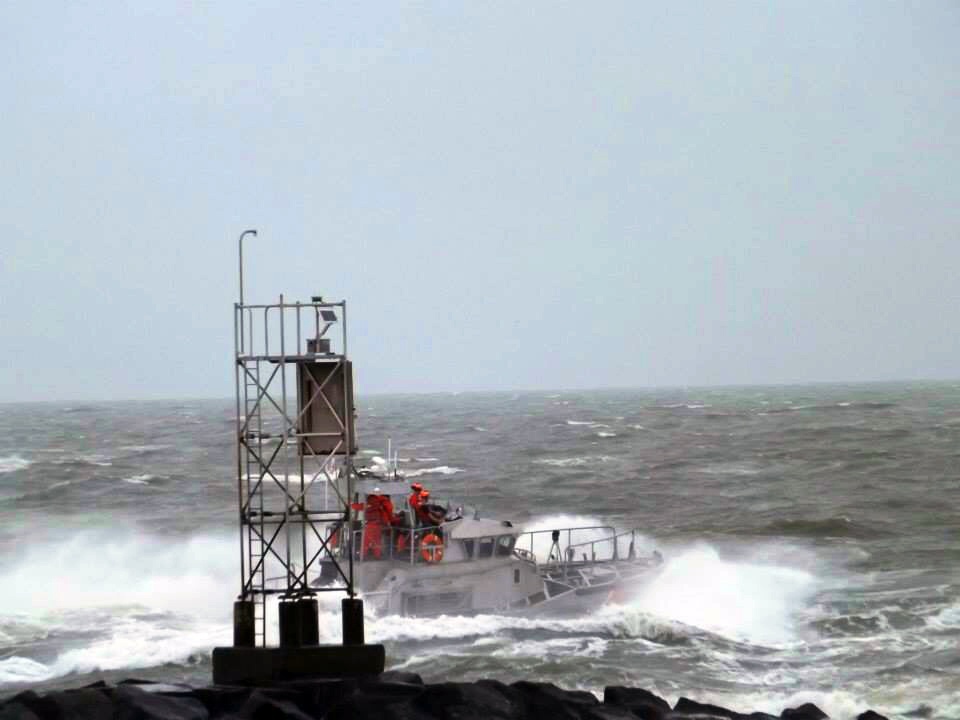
[(135, 601), (573, 461), (12, 463), (440, 470)]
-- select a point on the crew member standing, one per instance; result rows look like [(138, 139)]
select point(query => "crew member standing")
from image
[(414, 501), (423, 512), (378, 516)]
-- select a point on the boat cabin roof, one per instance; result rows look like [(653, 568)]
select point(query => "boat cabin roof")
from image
[(468, 527)]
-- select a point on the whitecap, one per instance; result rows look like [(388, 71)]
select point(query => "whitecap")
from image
[(139, 479), (603, 434), (12, 463), (439, 470), (573, 461)]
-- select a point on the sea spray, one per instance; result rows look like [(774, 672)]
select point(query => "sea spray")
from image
[(742, 600)]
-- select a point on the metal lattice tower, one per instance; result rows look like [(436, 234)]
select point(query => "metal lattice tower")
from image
[(295, 448)]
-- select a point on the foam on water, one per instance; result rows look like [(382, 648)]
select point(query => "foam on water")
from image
[(146, 601), (573, 461), (189, 575), (439, 470), (12, 463), (753, 602)]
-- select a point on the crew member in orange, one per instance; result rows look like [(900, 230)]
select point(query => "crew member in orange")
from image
[(423, 515), (377, 515), (415, 500)]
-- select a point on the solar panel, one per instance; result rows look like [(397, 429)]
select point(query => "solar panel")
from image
[(328, 315)]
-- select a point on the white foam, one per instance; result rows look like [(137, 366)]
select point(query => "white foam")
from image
[(949, 617), (96, 569), (745, 601), (144, 448), (12, 463), (606, 434), (573, 461), (162, 600), (132, 644), (139, 479), (439, 470), (580, 422)]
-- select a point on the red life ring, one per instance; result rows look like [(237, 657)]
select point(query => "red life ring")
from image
[(431, 548)]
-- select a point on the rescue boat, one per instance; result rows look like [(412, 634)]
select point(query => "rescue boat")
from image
[(454, 561)]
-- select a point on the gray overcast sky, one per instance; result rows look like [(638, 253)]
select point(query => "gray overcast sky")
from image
[(509, 195)]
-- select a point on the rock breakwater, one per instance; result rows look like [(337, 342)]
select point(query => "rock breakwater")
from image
[(390, 696)]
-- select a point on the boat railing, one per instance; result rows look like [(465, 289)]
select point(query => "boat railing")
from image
[(393, 543), (609, 548), (565, 552), (557, 555)]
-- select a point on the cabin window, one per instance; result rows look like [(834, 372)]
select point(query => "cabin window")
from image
[(505, 545), (516, 576), (468, 548), (486, 548)]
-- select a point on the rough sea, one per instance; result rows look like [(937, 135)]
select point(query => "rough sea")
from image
[(811, 539)]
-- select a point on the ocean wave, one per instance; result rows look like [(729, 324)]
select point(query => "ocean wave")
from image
[(576, 461), (132, 644), (837, 526), (144, 449), (94, 459), (139, 479), (143, 601), (606, 434), (13, 463), (439, 470)]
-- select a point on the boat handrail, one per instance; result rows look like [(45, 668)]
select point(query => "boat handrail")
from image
[(631, 552), (567, 553), (388, 541), (557, 533)]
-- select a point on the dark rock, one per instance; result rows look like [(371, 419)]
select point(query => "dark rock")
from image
[(315, 696), (16, 711), (272, 705), (688, 707), (134, 703), (30, 702), (871, 715), (221, 699), (82, 704), (807, 711), (607, 712), (390, 691), (400, 676), (484, 699), (545, 700), (642, 703), (359, 706)]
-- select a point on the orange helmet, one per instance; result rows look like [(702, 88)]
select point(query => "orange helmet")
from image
[(425, 493), (416, 486)]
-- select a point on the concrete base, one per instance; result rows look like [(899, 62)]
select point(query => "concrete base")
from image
[(263, 666)]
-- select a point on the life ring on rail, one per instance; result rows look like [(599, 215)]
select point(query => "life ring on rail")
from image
[(431, 548)]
